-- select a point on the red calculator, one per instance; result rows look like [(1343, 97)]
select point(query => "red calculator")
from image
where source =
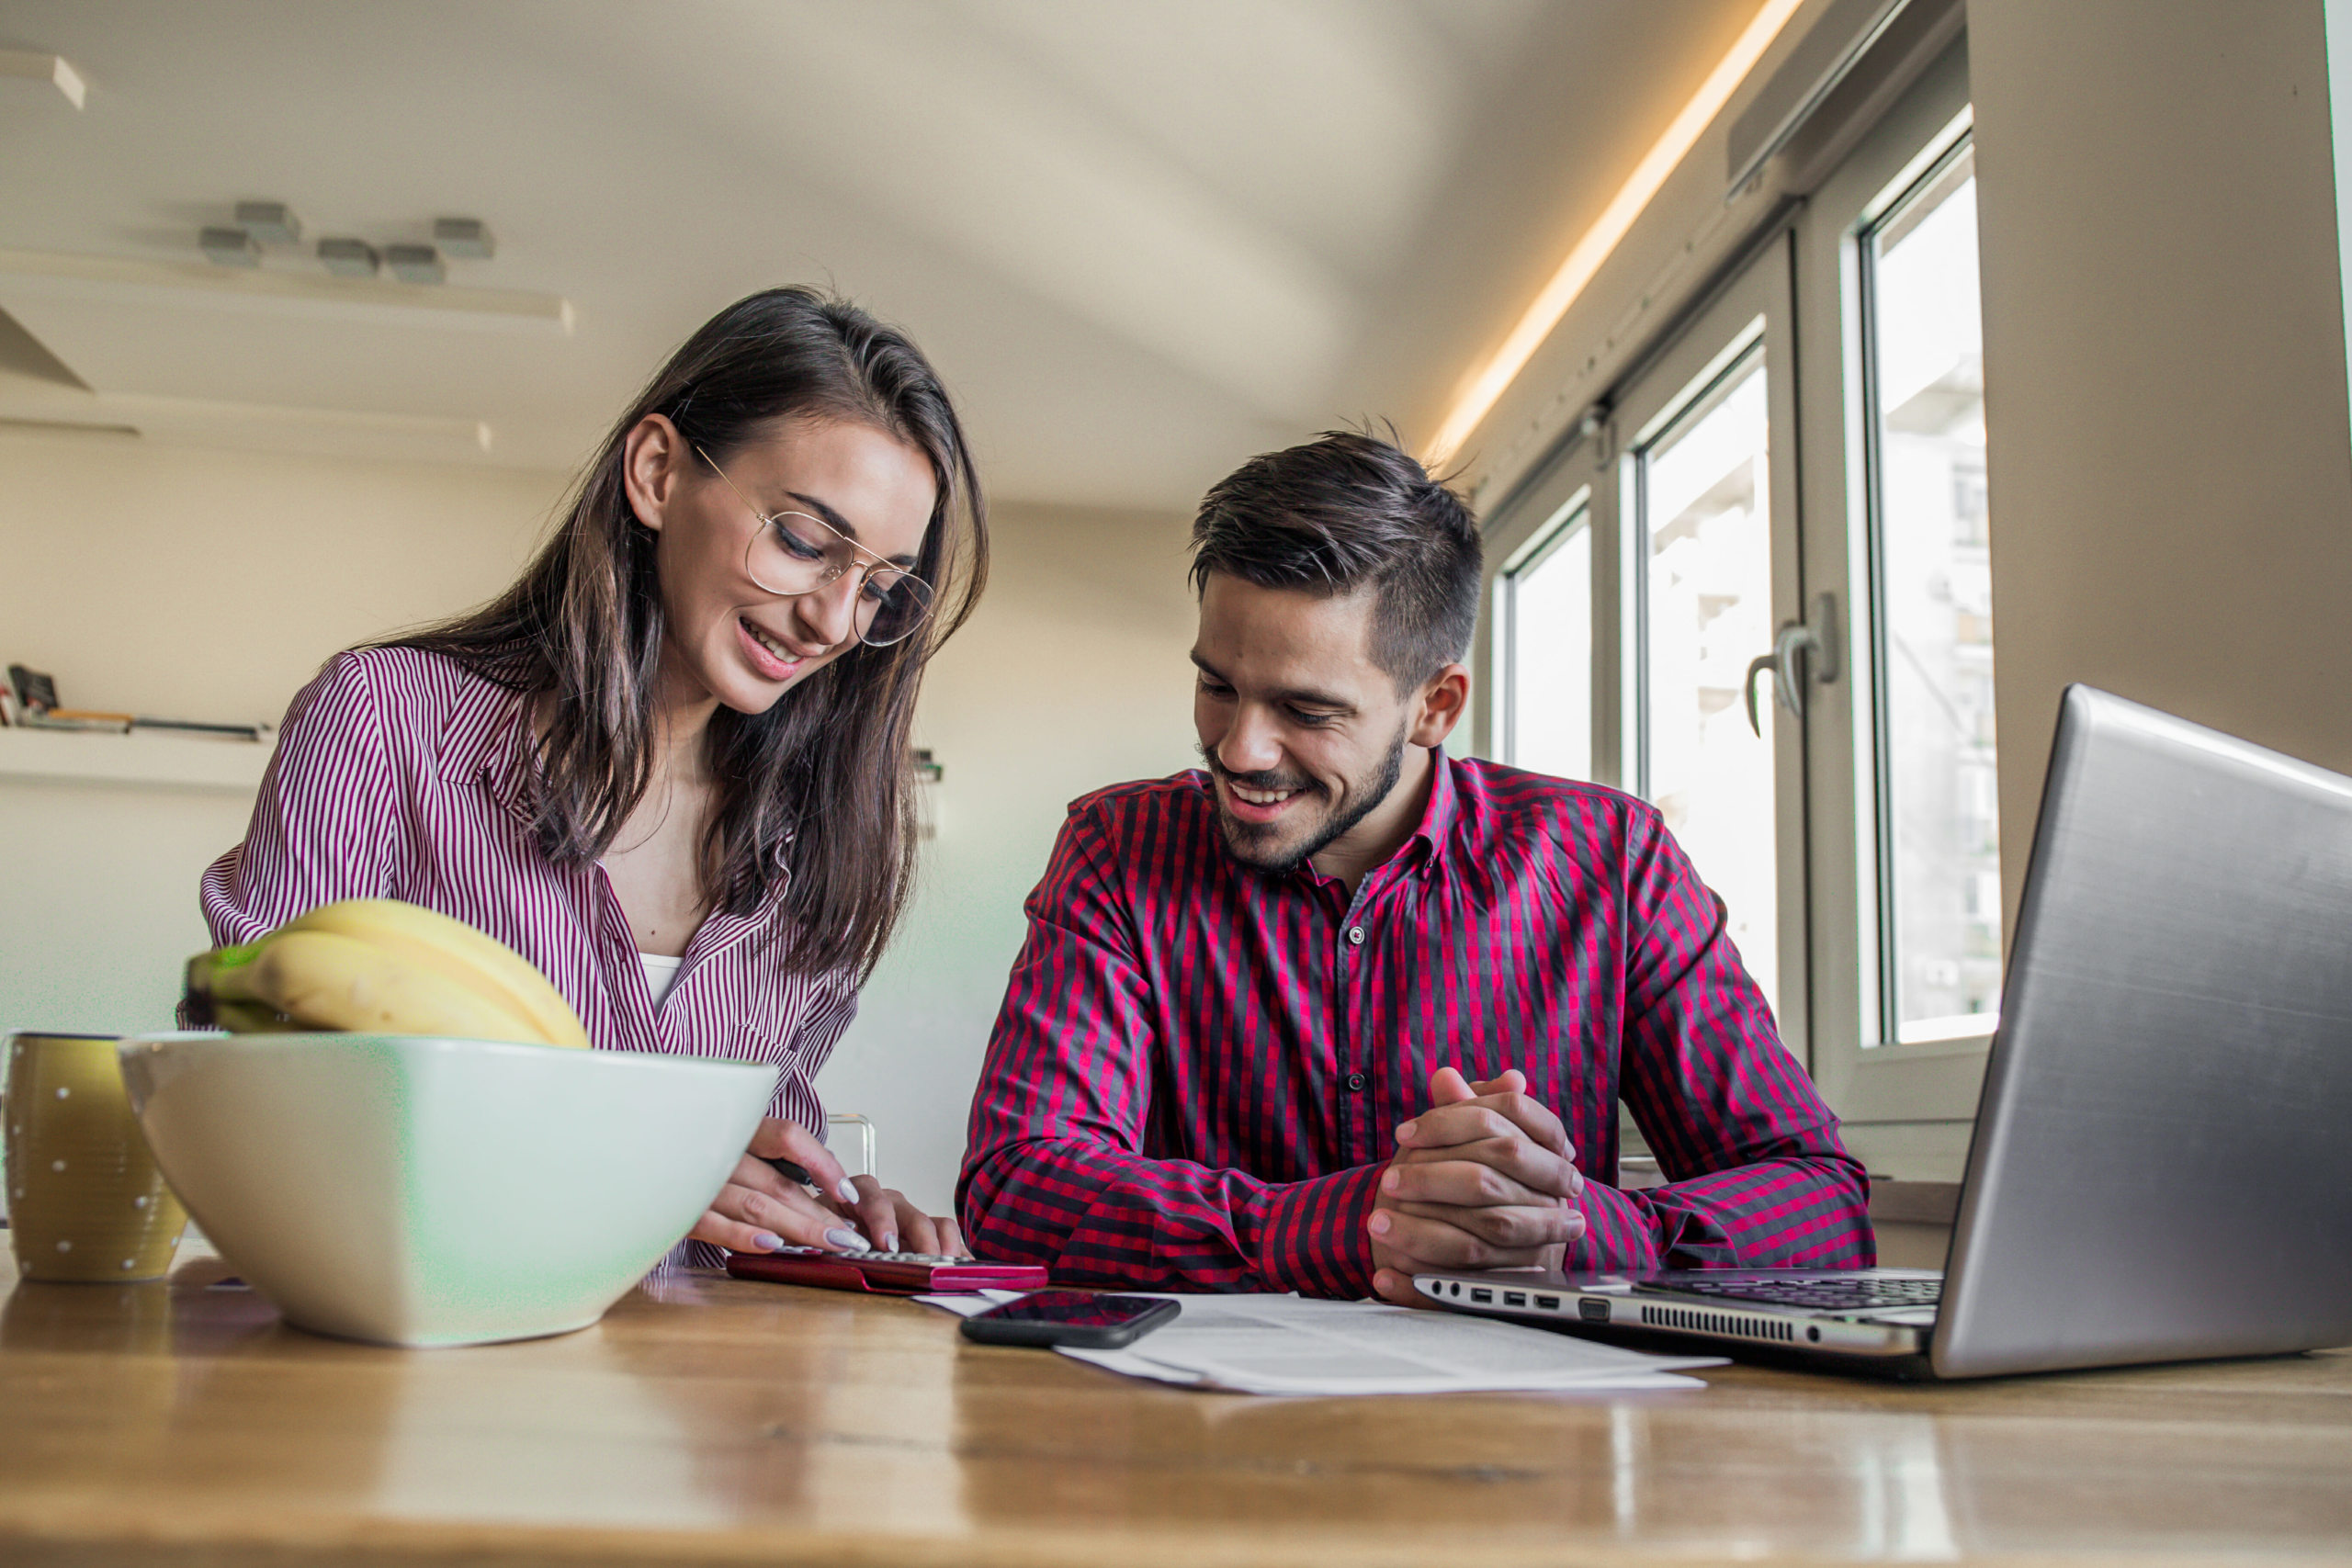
[(884, 1273)]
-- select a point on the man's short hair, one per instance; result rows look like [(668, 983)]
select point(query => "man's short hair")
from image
[(1345, 512)]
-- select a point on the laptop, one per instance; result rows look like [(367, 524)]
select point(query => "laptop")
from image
[(2161, 1168)]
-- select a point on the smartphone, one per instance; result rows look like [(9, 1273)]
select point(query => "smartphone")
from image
[(1069, 1317)]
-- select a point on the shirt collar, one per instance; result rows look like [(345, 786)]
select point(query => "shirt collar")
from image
[(482, 743), (1429, 840)]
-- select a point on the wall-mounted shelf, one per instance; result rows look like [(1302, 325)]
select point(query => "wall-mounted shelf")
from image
[(156, 761)]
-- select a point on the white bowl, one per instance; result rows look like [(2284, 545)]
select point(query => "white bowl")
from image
[(411, 1191)]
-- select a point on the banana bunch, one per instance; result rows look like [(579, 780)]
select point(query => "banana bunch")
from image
[(382, 966)]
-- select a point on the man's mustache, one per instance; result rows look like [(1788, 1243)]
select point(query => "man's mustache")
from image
[(1268, 780)]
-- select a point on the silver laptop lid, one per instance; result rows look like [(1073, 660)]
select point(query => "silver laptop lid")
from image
[(2162, 1166)]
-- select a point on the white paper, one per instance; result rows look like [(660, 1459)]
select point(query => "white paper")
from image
[(1290, 1345), (1127, 1363), (963, 1305)]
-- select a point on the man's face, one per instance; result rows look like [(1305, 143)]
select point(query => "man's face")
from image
[(1301, 733)]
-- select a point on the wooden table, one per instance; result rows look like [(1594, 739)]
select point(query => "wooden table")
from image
[(711, 1421)]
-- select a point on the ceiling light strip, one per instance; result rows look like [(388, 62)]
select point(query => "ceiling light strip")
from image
[(1479, 397)]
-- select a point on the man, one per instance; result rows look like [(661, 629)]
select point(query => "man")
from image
[(1339, 1009)]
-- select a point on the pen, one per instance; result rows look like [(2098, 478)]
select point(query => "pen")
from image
[(793, 1170)]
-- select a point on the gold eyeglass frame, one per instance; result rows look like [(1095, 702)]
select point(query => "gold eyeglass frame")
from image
[(866, 568)]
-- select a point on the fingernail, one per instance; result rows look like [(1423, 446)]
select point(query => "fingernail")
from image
[(1380, 1222), (848, 1241), (846, 1192), (768, 1241), (1405, 1130), (889, 1242), (1389, 1181)]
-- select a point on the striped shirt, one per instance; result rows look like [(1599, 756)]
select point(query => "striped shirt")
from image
[(1198, 1068), (400, 774)]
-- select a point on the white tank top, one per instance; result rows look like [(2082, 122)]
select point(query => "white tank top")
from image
[(660, 975)]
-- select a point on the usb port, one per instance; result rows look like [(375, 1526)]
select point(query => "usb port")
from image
[(1549, 1304), (1482, 1295), (1515, 1298)]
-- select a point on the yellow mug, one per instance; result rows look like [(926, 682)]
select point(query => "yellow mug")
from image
[(85, 1201)]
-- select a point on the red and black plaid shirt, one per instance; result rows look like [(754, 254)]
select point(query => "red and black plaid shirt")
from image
[(1196, 1075)]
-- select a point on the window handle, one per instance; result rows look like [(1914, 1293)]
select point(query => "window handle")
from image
[(1799, 650)]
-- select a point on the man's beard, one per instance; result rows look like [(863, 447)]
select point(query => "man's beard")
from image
[(1246, 840)]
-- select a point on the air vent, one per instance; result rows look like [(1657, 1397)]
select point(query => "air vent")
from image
[(1717, 1323)]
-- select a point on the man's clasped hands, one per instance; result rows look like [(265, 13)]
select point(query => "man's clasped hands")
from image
[(1484, 1178)]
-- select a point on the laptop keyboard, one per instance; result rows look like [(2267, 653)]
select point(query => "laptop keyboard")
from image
[(1828, 1293)]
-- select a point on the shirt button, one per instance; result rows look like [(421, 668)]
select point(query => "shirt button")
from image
[(1355, 1082), (1355, 936)]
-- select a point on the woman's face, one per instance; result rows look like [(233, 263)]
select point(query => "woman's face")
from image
[(727, 637)]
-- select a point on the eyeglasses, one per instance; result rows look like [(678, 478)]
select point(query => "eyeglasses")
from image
[(792, 553)]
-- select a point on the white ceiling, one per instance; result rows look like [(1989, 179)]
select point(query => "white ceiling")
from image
[(1141, 238)]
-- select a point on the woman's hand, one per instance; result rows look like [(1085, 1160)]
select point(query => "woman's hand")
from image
[(897, 1226), (759, 1210)]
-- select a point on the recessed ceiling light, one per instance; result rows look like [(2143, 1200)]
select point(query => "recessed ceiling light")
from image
[(49, 68), (415, 263), (467, 237), (271, 222), (229, 247), (349, 258)]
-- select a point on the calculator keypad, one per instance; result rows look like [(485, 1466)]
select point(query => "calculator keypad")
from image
[(933, 1259)]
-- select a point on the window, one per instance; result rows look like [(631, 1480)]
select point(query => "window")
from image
[(1638, 579), (1705, 559), (1797, 463), (1940, 848), (1904, 883), (1545, 598)]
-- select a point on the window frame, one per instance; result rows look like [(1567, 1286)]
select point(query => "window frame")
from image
[(1951, 144), (1907, 1107), (1597, 472), (1924, 1094), (1752, 314)]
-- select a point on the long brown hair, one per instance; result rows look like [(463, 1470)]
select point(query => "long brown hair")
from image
[(819, 788)]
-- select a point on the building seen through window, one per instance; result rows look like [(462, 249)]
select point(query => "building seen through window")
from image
[(1705, 510), (1939, 828), (1547, 655)]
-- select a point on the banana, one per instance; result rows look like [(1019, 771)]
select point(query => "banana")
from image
[(327, 981), (456, 952), (252, 1018)]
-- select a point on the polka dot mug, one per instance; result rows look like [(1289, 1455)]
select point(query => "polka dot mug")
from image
[(85, 1201)]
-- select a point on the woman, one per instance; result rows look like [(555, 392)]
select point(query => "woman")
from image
[(670, 765)]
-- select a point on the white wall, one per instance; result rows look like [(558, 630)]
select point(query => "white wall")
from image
[(196, 584), (201, 583), (1073, 676), (2166, 436)]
